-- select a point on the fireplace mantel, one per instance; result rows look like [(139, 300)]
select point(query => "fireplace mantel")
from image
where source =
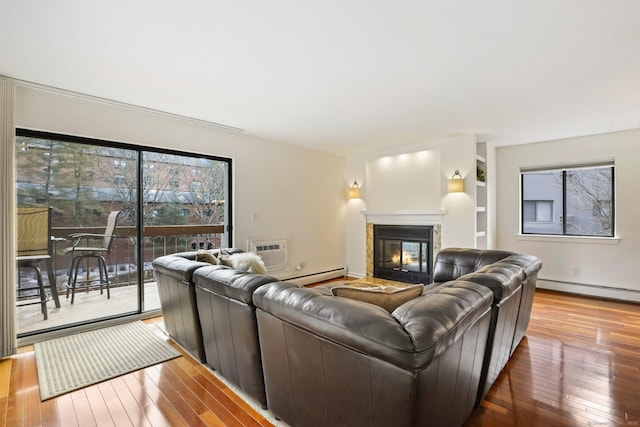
[(404, 217)]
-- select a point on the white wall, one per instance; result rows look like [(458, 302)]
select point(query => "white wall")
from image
[(290, 191), (598, 267), (412, 178), (404, 181)]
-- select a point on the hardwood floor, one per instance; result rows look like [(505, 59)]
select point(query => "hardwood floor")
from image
[(579, 365), (180, 392)]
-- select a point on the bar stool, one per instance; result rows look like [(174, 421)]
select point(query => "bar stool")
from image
[(34, 247), (101, 247)]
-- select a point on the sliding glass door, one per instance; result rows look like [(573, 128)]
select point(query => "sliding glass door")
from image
[(163, 202), (185, 208)]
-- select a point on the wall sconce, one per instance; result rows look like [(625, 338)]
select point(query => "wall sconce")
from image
[(456, 183), (354, 191)]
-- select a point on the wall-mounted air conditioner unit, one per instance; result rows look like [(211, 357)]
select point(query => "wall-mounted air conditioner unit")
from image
[(274, 252)]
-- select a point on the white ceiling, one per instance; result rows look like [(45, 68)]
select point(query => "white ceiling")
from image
[(348, 75)]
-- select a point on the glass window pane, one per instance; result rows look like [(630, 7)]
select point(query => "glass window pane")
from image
[(541, 191), (82, 183), (589, 202), (187, 191)]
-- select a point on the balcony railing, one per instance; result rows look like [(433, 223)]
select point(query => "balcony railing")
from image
[(158, 240)]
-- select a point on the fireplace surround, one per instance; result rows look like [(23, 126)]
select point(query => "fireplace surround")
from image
[(397, 217)]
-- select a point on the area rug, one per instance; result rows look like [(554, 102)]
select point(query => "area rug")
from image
[(75, 361)]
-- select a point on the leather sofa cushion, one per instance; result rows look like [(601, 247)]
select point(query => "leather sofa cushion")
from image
[(387, 297), (234, 284), (453, 263)]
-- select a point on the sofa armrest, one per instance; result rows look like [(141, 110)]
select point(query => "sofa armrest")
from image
[(177, 267), (229, 282), (530, 263), (502, 278), (440, 317)]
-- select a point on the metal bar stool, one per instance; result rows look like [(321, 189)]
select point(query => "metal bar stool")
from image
[(87, 246)]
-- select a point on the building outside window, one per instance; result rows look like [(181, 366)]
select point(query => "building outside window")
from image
[(537, 210)]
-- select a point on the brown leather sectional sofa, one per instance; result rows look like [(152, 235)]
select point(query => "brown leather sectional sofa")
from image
[(320, 360)]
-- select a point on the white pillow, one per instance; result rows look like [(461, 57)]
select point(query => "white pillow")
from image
[(249, 262)]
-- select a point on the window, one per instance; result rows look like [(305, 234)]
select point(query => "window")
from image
[(537, 210), (573, 201)]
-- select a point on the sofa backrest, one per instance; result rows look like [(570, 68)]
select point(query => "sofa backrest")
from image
[(181, 265), (410, 337), (452, 263)]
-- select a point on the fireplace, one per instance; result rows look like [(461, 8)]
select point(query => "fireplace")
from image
[(403, 253)]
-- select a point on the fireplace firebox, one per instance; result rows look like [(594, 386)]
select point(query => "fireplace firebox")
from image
[(403, 253)]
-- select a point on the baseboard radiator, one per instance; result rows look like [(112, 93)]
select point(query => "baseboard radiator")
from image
[(601, 291), (308, 279)]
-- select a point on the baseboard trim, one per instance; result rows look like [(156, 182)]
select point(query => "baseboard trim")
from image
[(590, 290)]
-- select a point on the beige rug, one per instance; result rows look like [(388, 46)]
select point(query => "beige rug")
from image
[(75, 361)]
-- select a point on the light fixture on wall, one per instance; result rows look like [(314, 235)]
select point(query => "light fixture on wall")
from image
[(354, 191), (456, 183)]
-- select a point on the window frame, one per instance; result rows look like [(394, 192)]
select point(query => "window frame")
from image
[(609, 164)]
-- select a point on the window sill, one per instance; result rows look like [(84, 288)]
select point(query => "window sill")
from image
[(570, 239)]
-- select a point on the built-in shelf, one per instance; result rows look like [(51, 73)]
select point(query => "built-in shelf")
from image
[(481, 196)]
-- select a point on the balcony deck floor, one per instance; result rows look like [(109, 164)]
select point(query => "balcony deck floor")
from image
[(87, 306)]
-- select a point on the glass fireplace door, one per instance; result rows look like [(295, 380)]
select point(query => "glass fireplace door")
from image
[(403, 253)]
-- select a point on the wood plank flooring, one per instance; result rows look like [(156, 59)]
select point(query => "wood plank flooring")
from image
[(579, 365), (180, 392)]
